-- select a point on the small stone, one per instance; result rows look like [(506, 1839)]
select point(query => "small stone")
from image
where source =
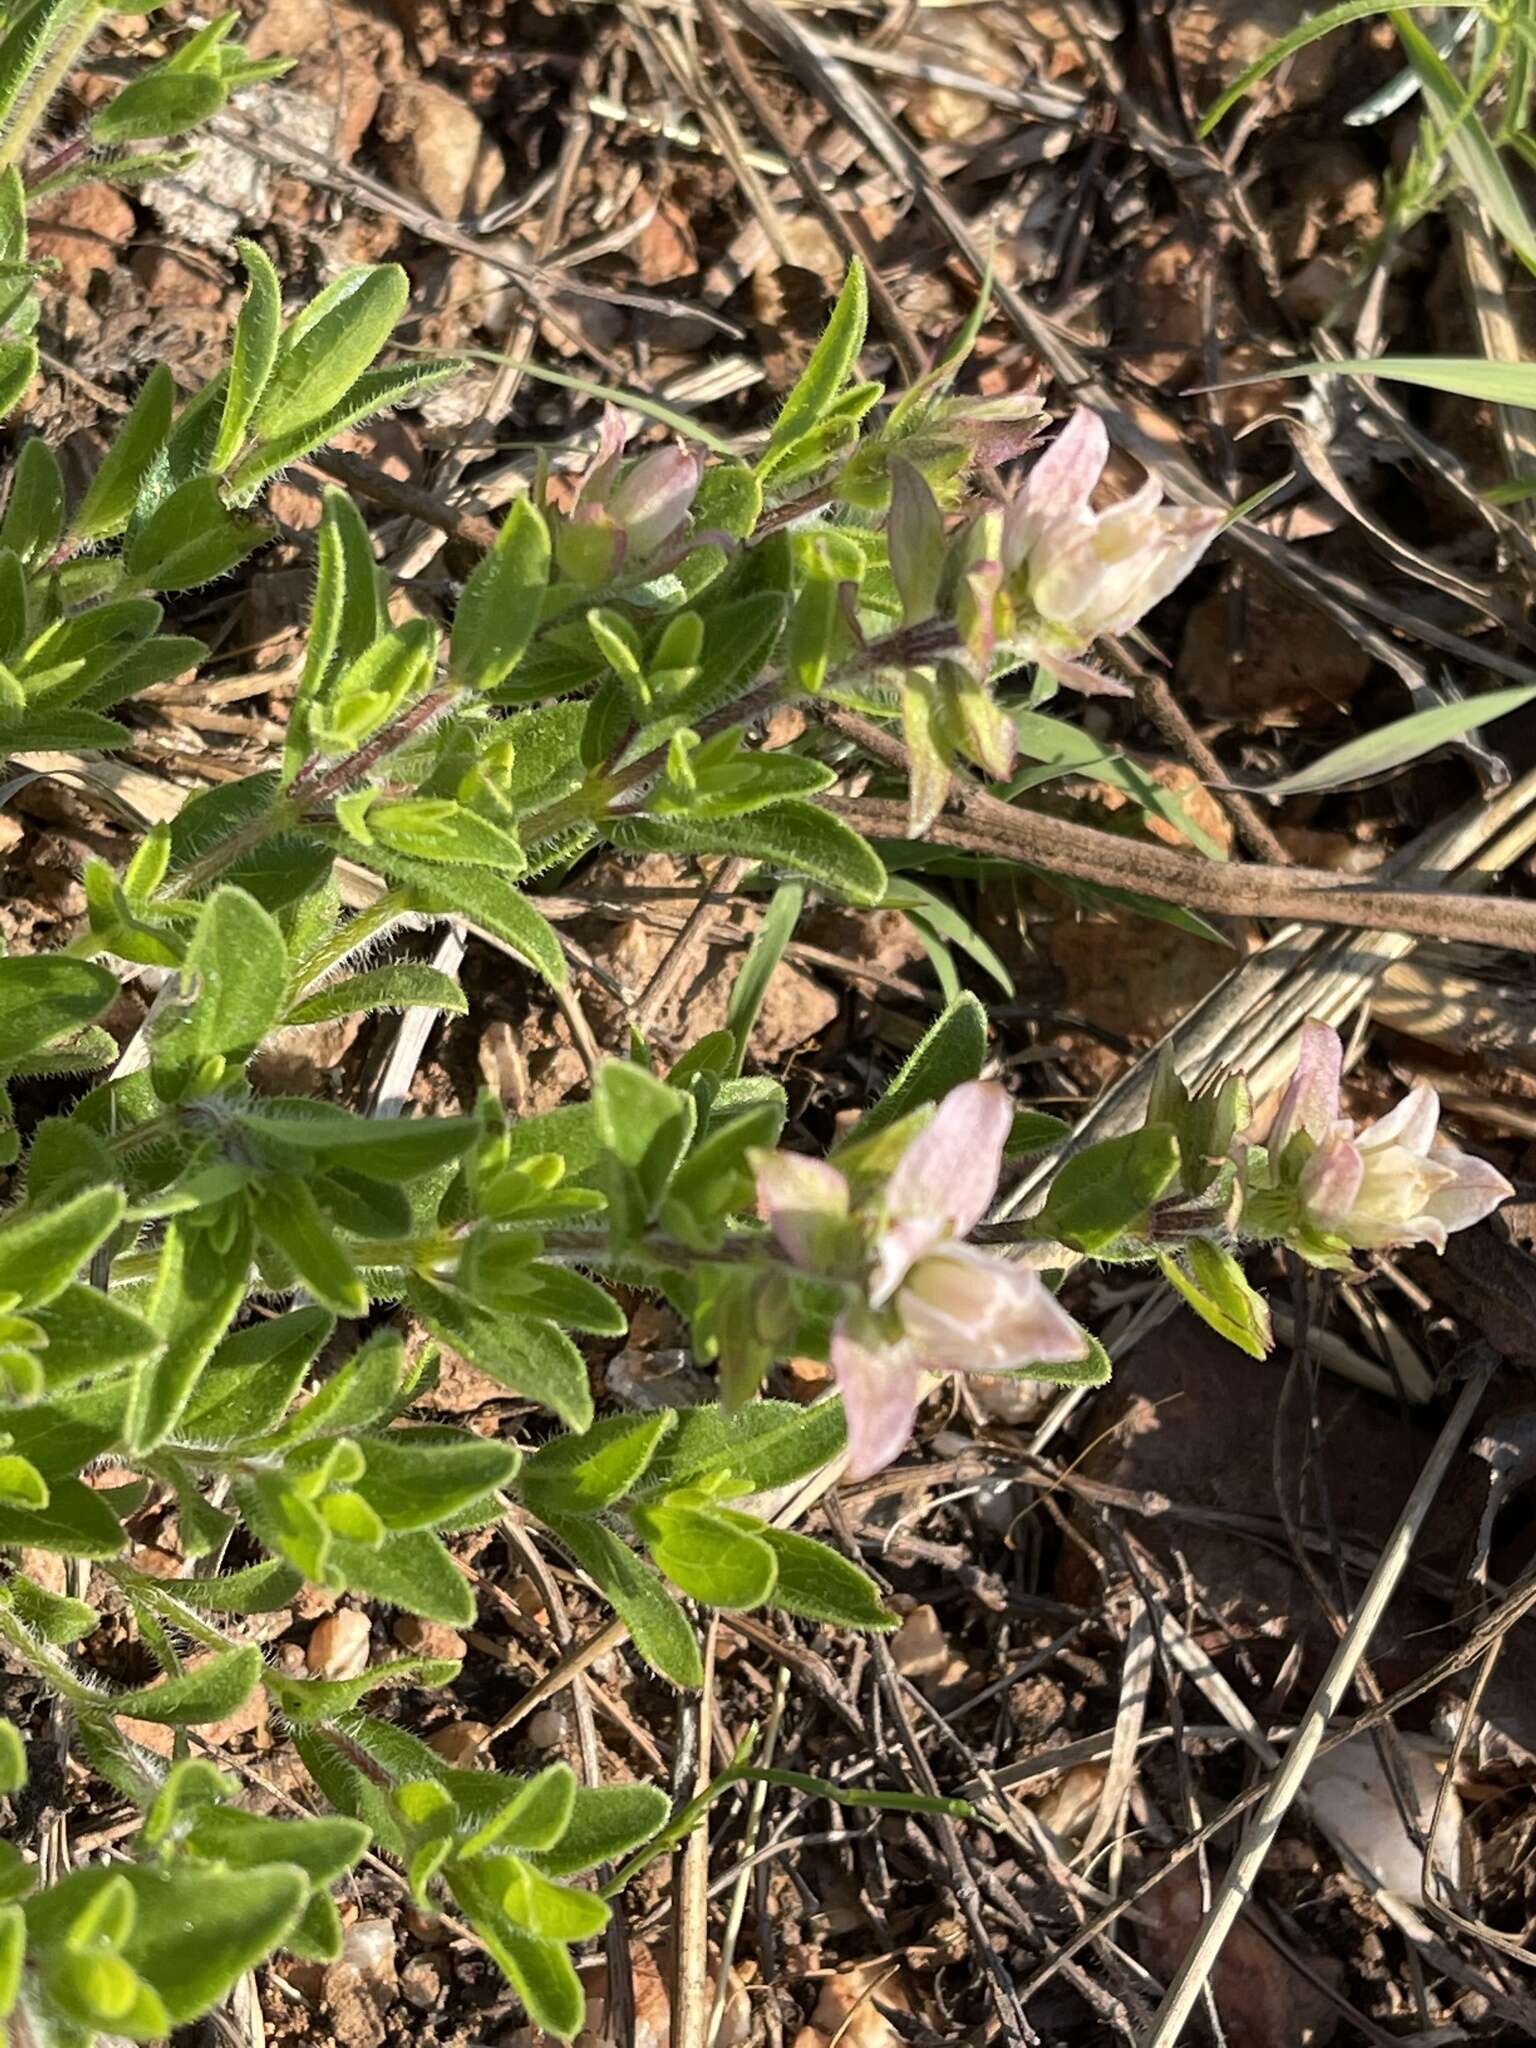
[(547, 1730), (84, 231), (370, 1948), (919, 1647), (225, 187), (339, 1646), (459, 1744), (438, 151), (427, 1638), (47, 1569), (421, 1983), (527, 1598)]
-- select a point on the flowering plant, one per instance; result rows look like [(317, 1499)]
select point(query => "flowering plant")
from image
[(202, 1284)]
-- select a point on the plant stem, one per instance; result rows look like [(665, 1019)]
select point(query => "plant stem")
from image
[(982, 824), (32, 106)]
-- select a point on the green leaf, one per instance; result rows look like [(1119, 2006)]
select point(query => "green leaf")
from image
[(1309, 31), (45, 995), (1107, 1189), (1401, 741), (42, 1250), (56, 1617), (766, 1445), (555, 1912), (655, 1621), (88, 1332), (535, 1817), (199, 1285), (415, 1480), (13, 1947), (233, 979), (159, 103), (386, 1148), (539, 1971), (434, 828), (758, 968), (1480, 377), (18, 366), (815, 1581), (715, 1181), (191, 538), (1467, 141), (208, 1692), (254, 1589), (21, 1484), (708, 1552), (533, 1358), (488, 900), (34, 509), (292, 1219), (324, 1848), (411, 1570), (373, 392), (645, 1126), (1214, 1285), (308, 1702), (253, 1375), (329, 347), (606, 1822), (553, 1293), (358, 1394), (500, 607), (579, 1475), (792, 834), (237, 1917), (1065, 750), (13, 1757), (829, 367), (253, 353), (952, 1050), (77, 1522), (403, 985), (362, 695)]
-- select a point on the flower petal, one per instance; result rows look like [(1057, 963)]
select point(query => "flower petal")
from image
[(803, 1201), (1412, 1124), (950, 1170), (1475, 1193), (1311, 1099), (1060, 483), (1184, 535), (898, 1248), (879, 1386), (1330, 1184), (967, 1310)]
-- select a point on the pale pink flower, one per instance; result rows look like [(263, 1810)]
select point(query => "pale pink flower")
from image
[(1397, 1181), (930, 1302), (1087, 573)]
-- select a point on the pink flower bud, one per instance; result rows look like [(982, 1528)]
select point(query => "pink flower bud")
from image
[(652, 502)]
